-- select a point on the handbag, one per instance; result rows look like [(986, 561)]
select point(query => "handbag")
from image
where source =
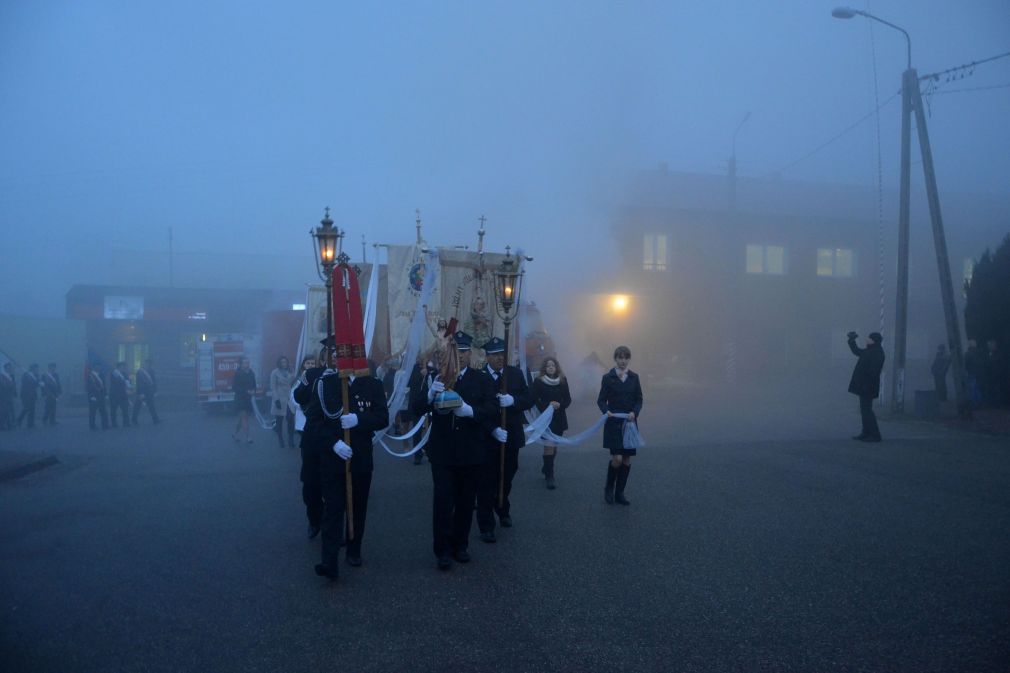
[(632, 438)]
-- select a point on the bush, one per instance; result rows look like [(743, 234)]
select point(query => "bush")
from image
[(987, 298)]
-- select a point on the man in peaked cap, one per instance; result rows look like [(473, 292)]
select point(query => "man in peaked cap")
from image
[(865, 382), (515, 400), (456, 451)]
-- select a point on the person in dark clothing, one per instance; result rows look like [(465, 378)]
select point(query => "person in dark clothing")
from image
[(312, 490), (974, 370), (941, 363), (550, 389), (29, 395), (514, 398), (620, 393), (456, 450), (243, 384), (995, 375), (414, 384), (366, 415), (119, 394), (147, 388), (8, 391), (865, 382), (52, 389), (97, 395)]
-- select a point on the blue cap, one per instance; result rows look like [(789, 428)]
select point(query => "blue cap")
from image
[(463, 340), (494, 345)]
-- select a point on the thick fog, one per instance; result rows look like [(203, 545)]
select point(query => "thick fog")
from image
[(233, 126)]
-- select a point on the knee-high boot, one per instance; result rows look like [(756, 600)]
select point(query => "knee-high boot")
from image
[(622, 481), (549, 472), (608, 490)]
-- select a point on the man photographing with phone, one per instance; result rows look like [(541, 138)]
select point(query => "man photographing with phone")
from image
[(865, 382)]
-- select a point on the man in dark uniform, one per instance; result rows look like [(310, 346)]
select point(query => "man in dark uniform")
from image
[(456, 451), (147, 388), (119, 393), (29, 395), (96, 399), (8, 391), (367, 414), (305, 395), (865, 382), (515, 401), (51, 391)]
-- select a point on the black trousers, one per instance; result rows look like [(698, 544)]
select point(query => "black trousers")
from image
[(27, 411), (870, 428), (285, 421), (487, 493), (334, 485), (312, 488), (455, 488), (49, 411), (98, 407), (141, 401), (120, 404)]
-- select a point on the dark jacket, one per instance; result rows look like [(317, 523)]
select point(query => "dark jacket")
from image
[(515, 416), (51, 386), (366, 399), (243, 384), (147, 384), (457, 441), (29, 388), (620, 398), (95, 386), (306, 397), (545, 393), (941, 363), (866, 374), (118, 385)]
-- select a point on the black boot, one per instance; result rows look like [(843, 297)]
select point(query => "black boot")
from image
[(549, 472), (622, 481), (608, 490)]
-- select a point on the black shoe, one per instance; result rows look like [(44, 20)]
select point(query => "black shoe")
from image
[(462, 556), (505, 521), (326, 571), (859, 437), (313, 531), (871, 439), (354, 561), (551, 484), (608, 496), (444, 562), (620, 499), (488, 537)]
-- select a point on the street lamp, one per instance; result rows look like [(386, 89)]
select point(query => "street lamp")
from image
[(911, 102), (508, 280), (324, 238)]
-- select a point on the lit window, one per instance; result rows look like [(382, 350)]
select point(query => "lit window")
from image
[(836, 262), (766, 259), (654, 252)]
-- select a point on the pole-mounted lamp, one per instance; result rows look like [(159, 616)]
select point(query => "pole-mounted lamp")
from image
[(324, 239), (508, 281)]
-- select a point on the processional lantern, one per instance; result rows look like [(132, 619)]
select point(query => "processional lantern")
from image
[(325, 239), (508, 280)]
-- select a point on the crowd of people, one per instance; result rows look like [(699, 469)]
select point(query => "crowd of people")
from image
[(474, 435)]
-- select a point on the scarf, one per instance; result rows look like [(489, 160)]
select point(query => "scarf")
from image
[(549, 381)]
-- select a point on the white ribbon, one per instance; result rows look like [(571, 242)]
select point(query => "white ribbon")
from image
[(370, 308), (264, 423), (541, 429), (420, 445)]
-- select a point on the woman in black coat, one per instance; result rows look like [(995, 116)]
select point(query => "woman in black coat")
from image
[(550, 389), (620, 393), (243, 385)]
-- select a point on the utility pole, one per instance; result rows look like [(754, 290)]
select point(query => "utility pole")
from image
[(732, 165), (171, 270)]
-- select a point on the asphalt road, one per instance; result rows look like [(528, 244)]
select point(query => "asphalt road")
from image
[(760, 538)]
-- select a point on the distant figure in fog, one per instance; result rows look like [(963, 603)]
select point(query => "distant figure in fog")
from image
[(8, 391), (97, 395), (52, 389), (29, 395), (119, 394), (865, 382), (550, 389), (620, 393), (995, 375), (243, 384), (974, 369), (147, 388), (281, 379), (941, 363)]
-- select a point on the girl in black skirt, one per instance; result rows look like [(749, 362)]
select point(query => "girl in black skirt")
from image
[(244, 386), (620, 393), (550, 389)]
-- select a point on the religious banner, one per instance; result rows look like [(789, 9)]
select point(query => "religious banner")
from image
[(468, 295), (405, 273)]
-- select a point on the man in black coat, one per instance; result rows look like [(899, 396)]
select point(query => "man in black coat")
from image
[(456, 451), (147, 388), (865, 382), (515, 400), (97, 395), (366, 415), (52, 389), (306, 396), (29, 395), (119, 394), (941, 363)]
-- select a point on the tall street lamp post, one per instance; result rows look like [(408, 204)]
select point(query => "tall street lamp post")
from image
[(324, 238), (911, 102), (508, 286)]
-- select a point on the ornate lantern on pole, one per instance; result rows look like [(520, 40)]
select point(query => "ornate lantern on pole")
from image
[(324, 238), (508, 282)]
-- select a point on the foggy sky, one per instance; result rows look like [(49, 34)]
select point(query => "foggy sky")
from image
[(236, 123)]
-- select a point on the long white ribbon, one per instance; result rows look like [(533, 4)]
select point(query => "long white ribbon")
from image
[(413, 450), (542, 430), (370, 308)]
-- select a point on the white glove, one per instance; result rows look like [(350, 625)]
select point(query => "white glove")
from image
[(464, 411), (435, 388), (501, 434), (506, 400), (348, 421), (342, 450)]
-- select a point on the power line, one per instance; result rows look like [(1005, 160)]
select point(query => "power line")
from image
[(840, 133), (936, 75), (974, 88)]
